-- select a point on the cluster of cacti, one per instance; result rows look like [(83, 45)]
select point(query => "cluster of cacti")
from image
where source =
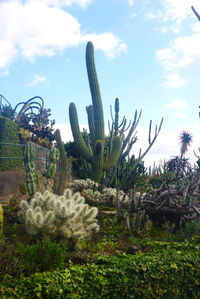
[(52, 165), (94, 153), (1, 220), (128, 167), (29, 164), (63, 159), (79, 185), (136, 219), (93, 190), (66, 216), (115, 194), (137, 222)]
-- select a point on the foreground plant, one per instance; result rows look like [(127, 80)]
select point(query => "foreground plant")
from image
[(68, 216)]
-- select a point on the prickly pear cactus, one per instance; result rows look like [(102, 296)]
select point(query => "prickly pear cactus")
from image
[(1, 221), (66, 216)]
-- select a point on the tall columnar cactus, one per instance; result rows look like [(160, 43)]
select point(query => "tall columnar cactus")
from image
[(95, 153), (52, 165), (63, 173), (29, 164), (1, 221), (66, 216)]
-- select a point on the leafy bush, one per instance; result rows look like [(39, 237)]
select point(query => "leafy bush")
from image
[(9, 134), (42, 256), (9, 260), (168, 273)]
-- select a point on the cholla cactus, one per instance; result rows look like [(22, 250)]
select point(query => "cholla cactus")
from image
[(112, 192), (95, 195), (51, 215), (80, 185)]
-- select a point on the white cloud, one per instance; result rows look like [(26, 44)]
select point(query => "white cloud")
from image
[(176, 104), (62, 3), (37, 79), (131, 2), (32, 28), (107, 42), (182, 50), (178, 114), (173, 80)]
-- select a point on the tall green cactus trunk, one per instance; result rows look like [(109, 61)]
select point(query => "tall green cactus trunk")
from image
[(1, 221), (30, 168), (95, 153), (63, 172)]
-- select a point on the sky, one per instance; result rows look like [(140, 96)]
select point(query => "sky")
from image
[(147, 54)]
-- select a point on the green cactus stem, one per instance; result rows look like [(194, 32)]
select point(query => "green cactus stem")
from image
[(94, 154), (29, 165), (1, 221), (52, 165), (63, 172)]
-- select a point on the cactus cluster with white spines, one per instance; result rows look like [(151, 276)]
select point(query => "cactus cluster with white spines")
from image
[(66, 216), (79, 185)]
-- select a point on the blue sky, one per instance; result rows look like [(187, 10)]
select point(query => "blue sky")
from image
[(147, 54)]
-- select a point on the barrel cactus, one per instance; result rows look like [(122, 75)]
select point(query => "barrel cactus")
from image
[(66, 216)]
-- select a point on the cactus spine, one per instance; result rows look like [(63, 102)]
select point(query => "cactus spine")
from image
[(95, 153), (63, 173), (1, 221), (31, 176)]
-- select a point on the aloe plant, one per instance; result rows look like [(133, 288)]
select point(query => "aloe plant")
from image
[(94, 154)]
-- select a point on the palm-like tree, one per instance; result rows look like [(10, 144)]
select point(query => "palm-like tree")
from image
[(185, 141)]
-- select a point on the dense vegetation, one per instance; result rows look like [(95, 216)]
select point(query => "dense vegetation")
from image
[(116, 230)]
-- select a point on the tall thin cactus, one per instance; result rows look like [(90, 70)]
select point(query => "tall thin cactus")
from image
[(63, 159), (30, 168), (94, 154)]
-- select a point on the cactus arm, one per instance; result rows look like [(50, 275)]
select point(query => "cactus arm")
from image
[(90, 113), (78, 138), (97, 163), (151, 142), (95, 93), (114, 154), (132, 129)]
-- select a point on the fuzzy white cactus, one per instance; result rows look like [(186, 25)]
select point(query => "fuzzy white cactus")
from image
[(67, 216), (79, 185)]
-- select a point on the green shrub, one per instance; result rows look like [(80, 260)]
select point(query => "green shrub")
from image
[(167, 273), (9, 134), (42, 256), (9, 261)]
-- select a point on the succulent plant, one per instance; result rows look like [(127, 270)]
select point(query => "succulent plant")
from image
[(94, 154), (29, 164), (66, 216), (1, 220)]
